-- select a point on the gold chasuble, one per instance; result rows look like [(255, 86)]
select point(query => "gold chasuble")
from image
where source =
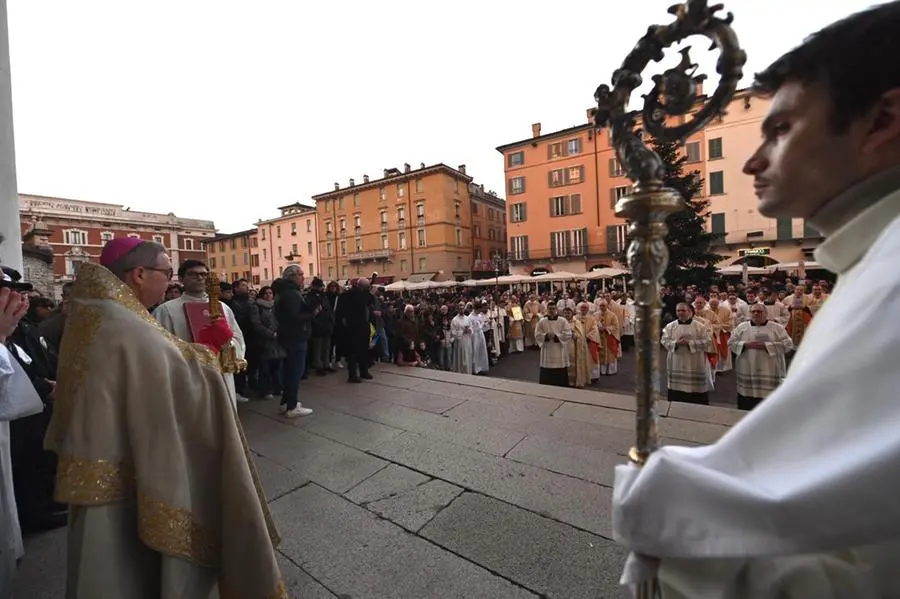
[(165, 500)]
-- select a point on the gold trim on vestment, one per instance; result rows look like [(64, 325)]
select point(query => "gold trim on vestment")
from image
[(92, 482), (257, 484), (173, 531)]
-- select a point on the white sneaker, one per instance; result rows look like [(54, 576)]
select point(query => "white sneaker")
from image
[(298, 411), (268, 396), (282, 408), (240, 398)]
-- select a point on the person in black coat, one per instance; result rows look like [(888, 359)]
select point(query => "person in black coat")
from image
[(355, 313), (294, 315)]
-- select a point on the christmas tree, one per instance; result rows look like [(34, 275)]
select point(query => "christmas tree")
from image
[(691, 259)]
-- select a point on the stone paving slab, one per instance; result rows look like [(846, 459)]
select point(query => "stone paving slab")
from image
[(594, 465), (276, 480), (388, 482), (355, 553), (356, 432), (413, 509), (301, 585), (543, 555), (577, 502)]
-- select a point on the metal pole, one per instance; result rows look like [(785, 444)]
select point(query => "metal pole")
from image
[(651, 202)]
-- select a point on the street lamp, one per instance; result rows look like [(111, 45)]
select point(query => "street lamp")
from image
[(674, 94), (495, 262)]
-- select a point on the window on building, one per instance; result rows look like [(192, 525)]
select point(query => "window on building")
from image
[(400, 191), (420, 237), (615, 168), (422, 264), (343, 271), (294, 251), (715, 148), (474, 208), (327, 205), (280, 252), (104, 237), (234, 259), (246, 258), (255, 279), (266, 273), (330, 272), (262, 234), (518, 213), (73, 263), (233, 244), (518, 247), (716, 182), (477, 231), (382, 194), (566, 176), (343, 247), (329, 250), (617, 193), (264, 253), (420, 186), (692, 151), (385, 244), (459, 236), (573, 146), (403, 266), (565, 205), (401, 214), (717, 226), (309, 248), (309, 270), (401, 240), (221, 246), (456, 185), (359, 244), (280, 270), (478, 253), (293, 228), (188, 244), (212, 262), (491, 234), (75, 237), (515, 159), (420, 210), (785, 228), (278, 231), (555, 150), (457, 205), (133, 236), (328, 228), (517, 185), (357, 221), (356, 200), (340, 203), (616, 237), (343, 224)]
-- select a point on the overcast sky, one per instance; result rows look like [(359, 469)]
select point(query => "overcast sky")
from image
[(226, 110)]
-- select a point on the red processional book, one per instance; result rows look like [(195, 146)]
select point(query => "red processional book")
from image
[(198, 317)]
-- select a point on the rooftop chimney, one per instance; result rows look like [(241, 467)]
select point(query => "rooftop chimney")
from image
[(337, 185), (406, 167), (536, 130), (386, 173), (365, 178), (421, 165), (352, 182), (462, 168)]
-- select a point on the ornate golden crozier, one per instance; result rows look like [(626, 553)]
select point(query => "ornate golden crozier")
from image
[(674, 95), (228, 359)]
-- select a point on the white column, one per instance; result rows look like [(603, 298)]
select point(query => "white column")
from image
[(11, 248)]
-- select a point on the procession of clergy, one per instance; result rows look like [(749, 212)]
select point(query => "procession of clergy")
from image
[(753, 333)]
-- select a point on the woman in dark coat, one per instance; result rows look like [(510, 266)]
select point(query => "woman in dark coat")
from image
[(271, 354)]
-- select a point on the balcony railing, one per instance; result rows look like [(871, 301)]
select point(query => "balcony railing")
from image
[(384, 227), (555, 253), (383, 254), (420, 221), (343, 233)]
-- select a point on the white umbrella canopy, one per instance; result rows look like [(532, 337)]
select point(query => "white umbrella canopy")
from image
[(552, 277), (469, 283), (605, 273), (738, 269), (796, 265), (397, 286)]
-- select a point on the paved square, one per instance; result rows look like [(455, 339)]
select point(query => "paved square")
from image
[(432, 485)]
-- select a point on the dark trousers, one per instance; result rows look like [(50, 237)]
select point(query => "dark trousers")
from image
[(321, 353), (684, 396), (270, 376), (294, 367), (357, 349), (747, 403)]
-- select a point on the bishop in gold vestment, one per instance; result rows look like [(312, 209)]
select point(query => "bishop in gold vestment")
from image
[(164, 499)]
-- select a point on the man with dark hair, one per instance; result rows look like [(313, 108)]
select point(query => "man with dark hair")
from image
[(151, 457), (799, 499)]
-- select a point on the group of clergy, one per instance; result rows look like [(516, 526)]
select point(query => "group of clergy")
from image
[(753, 336)]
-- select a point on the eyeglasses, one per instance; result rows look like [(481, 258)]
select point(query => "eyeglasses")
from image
[(196, 275)]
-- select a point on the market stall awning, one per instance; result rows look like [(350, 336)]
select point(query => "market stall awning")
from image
[(420, 277), (385, 280)]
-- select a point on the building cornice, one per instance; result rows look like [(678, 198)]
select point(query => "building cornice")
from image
[(412, 174), (228, 236)]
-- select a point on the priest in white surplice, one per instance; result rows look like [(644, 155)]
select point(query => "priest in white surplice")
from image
[(170, 314), (461, 329), (687, 341), (480, 360), (760, 346), (551, 335), (800, 498)]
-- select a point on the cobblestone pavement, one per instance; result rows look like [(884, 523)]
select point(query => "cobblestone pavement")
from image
[(423, 484)]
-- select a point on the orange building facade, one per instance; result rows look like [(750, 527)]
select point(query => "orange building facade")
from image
[(229, 256), (414, 224), (562, 188), (291, 238)]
